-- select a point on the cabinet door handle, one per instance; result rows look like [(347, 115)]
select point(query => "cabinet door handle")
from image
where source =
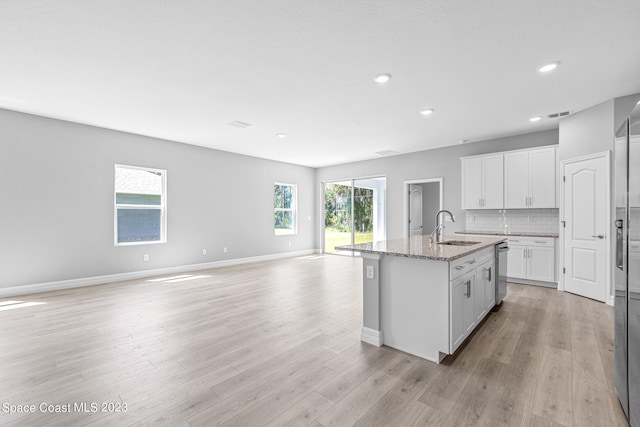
[(599, 236), (469, 288), (489, 273)]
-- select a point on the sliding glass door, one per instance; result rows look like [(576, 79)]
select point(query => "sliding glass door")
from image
[(354, 212)]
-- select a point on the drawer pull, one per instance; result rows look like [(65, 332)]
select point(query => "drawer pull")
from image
[(461, 267)]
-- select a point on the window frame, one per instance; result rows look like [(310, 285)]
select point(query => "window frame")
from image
[(293, 210), (162, 207)]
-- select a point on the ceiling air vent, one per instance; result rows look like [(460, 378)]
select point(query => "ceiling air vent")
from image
[(558, 115), (387, 152), (238, 124)]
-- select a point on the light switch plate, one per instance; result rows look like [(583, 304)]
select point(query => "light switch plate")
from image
[(370, 272)]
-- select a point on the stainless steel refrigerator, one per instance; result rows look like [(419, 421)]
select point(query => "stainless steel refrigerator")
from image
[(627, 266)]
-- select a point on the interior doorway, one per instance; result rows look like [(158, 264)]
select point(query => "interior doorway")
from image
[(354, 212), (423, 199), (586, 235)]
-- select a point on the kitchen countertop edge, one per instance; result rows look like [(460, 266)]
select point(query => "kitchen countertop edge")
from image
[(454, 252)]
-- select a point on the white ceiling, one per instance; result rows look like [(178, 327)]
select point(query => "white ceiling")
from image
[(182, 70)]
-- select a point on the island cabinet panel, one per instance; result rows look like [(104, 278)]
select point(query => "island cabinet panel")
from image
[(462, 309), (414, 302), (485, 289), (472, 294)]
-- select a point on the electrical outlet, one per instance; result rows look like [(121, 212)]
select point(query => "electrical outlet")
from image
[(370, 272), (146, 257), (204, 252), (224, 250)]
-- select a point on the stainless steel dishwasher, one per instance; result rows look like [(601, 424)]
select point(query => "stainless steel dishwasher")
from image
[(501, 270)]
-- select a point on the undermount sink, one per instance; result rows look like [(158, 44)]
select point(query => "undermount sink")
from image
[(457, 243)]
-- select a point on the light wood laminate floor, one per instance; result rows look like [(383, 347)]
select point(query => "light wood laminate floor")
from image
[(278, 343)]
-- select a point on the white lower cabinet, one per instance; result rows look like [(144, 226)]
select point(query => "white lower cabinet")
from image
[(516, 265), (531, 258), (462, 309), (485, 279), (472, 295)]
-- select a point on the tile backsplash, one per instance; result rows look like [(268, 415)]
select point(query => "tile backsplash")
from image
[(514, 220)]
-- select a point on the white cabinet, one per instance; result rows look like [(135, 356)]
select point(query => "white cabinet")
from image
[(472, 294), (530, 178), (486, 285), (462, 309), (482, 178), (531, 258), (516, 265)]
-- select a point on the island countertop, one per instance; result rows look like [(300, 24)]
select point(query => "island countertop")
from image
[(420, 247)]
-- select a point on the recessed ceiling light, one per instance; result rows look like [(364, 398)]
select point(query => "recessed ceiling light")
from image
[(535, 119), (238, 124), (427, 111), (281, 135), (382, 78), (548, 67), (387, 152)]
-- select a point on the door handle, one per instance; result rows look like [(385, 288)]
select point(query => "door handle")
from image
[(599, 236), (489, 273), (469, 288), (619, 244)]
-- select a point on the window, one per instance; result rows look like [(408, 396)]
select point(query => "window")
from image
[(284, 207), (140, 205)]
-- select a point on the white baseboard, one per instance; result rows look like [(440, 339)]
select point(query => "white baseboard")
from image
[(120, 277), (610, 300), (371, 336)]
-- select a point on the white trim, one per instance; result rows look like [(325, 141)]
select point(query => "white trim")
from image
[(119, 277), (162, 207), (406, 197), (351, 182), (607, 219), (294, 210), (371, 336)]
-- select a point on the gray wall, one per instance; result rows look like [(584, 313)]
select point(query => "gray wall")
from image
[(56, 202), (430, 205), (592, 131), (441, 162)]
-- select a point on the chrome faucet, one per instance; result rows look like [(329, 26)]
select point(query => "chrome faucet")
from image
[(436, 234)]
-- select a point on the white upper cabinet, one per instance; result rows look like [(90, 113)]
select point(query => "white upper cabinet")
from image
[(530, 178), (482, 182)]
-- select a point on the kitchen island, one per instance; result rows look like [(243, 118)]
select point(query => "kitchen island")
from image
[(425, 298)]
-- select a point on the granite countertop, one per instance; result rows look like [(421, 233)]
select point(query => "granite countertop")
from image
[(419, 247), (511, 233)]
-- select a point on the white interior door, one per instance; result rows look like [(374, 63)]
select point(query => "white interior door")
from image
[(415, 210), (586, 232)]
